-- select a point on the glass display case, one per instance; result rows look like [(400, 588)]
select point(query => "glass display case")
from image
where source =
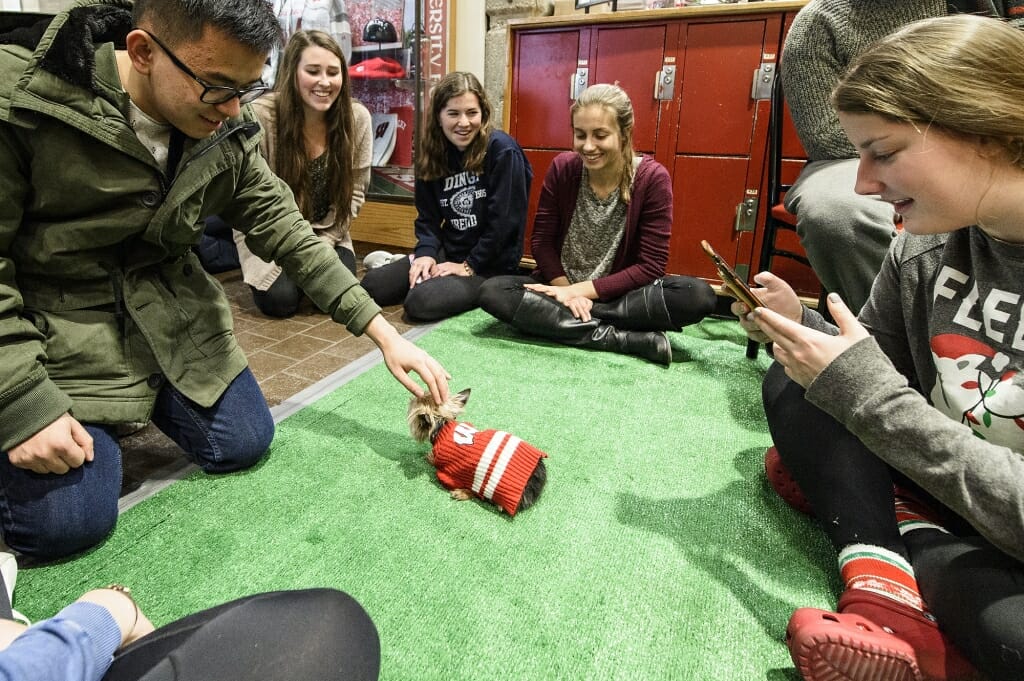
[(395, 50), (399, 47)]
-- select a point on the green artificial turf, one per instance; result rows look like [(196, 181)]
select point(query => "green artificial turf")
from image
[(656, 551)]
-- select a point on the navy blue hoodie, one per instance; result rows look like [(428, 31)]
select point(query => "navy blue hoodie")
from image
[(477, 219)]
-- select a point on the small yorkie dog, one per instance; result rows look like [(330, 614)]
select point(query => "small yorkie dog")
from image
[(490, 464)]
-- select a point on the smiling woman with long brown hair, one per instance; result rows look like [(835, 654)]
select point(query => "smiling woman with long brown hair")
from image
[(318, 140), (472, 192)]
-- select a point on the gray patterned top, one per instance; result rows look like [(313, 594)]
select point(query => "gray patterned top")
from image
[(594, 234)]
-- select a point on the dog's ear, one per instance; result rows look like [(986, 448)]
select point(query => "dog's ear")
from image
[(462, 397), (419, 426)]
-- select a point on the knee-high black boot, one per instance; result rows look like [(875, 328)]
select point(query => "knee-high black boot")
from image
[(643, 309), (544, 316)]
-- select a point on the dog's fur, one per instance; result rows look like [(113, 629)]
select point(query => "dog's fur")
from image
[(425, 421)]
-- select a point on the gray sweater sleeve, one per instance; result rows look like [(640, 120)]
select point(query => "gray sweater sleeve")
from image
[(811, 66), (825, 37), (980, 481)]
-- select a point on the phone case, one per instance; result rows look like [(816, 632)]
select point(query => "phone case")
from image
[(736, 286)]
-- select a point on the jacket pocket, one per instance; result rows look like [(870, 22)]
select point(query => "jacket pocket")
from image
[(83, 347), (195, 322)]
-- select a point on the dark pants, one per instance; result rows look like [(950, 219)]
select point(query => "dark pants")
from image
[(975, 591), (431, 300), (283, 297), (687, 301), (311, 635), (46, 515)]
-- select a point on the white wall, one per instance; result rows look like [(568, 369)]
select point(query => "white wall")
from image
[(468, 29)]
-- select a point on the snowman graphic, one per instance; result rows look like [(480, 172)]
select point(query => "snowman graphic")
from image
[(977, 386)]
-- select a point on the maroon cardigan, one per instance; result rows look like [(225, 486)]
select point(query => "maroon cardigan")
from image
[(643, 252)]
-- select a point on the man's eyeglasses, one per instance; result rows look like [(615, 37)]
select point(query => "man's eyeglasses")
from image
[(212, 94)]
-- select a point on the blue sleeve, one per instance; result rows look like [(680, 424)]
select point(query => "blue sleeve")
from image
[(500, 245), (77, 644), (428, 218)]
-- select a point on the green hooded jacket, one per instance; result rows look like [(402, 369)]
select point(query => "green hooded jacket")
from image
[(102, 300)]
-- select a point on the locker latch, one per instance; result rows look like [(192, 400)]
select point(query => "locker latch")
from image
[(578, 82), (665, 83), (746, 215), (763, 79)]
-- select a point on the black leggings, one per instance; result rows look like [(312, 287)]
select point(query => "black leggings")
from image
[(283, 297), (688, 301), (975, 591), (310, 635), (434, 299)]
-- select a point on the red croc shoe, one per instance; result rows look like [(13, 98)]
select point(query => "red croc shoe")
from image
[(783, 483), (826, 646), (937, 657)]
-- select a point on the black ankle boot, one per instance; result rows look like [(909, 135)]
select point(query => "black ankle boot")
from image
[(544, 316), (643, 309), (651, 345)]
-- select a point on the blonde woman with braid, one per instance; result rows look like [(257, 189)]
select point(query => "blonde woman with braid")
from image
[(600, 239), (318, 140)]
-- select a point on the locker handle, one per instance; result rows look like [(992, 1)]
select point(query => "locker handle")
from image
[(578, 82), (665, 83)]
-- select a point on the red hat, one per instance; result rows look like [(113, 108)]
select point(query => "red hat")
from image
[(377, 67), (491, 463)]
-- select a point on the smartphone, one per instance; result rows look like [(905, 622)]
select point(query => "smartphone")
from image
[(735, 286)]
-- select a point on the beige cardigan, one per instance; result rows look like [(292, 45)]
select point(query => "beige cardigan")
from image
[(334, 229)]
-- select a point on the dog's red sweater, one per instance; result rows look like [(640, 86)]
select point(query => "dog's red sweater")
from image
[(491, 463)]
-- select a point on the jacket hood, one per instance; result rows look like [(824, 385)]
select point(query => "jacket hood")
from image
[(65, 46), (65, 67)]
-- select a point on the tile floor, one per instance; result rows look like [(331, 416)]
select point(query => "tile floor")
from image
[(286, 356)]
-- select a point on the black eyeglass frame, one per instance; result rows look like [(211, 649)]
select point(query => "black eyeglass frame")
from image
[(244, 96)]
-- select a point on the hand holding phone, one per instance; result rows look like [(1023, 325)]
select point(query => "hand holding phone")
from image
[(735, 286)]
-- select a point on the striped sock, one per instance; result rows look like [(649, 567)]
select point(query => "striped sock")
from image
[(912, 515), (880, 571)]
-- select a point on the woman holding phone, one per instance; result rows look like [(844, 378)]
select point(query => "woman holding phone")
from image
[(903, 427)]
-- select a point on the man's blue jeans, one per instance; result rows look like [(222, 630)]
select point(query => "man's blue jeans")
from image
[(51, 516)]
